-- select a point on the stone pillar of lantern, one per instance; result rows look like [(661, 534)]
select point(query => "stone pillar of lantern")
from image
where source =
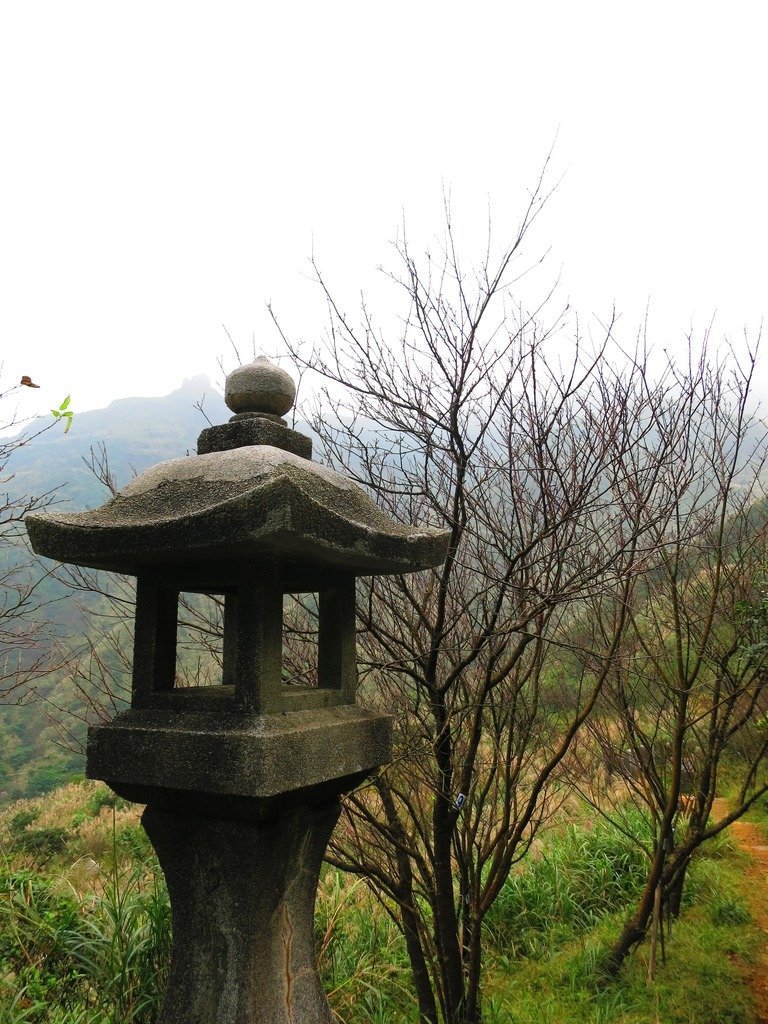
[(242, 898)]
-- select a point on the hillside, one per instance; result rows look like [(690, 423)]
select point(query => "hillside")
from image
[(85, 928), (137, 432)]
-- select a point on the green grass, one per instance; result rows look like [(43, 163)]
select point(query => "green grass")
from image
[(702, 981), (94, 949), (361, 955), (582, 874), (758, 812), (101, 959)]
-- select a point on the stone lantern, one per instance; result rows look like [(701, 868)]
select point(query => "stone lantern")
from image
[(242, 779)]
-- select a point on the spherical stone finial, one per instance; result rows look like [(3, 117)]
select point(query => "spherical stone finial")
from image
[(260, 388)]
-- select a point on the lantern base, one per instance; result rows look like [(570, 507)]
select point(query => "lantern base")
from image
[(242, 899)]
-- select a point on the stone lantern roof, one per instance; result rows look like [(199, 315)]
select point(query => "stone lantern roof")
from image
[(251, 491)]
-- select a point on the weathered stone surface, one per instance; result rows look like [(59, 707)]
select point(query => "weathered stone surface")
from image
[(238, 503), (247, 430), (242, 899), (260, 386), (256, 757), (252, 670)]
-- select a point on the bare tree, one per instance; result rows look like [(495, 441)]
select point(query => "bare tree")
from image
[(543, 469), (687, 690)]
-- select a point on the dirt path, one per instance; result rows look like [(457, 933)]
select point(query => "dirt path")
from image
[(753, 841)]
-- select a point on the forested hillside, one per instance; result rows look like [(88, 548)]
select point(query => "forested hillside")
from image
[(39, 739)]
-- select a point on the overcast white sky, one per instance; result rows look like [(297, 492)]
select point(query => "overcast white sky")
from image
[(168, 167)]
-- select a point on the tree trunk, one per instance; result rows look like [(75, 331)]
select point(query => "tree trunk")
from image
[(421, 979), (447, 926), (408, 915), (636, 927), (446, 918), (654, 933), (676, 871), (675, 889), (473, 965)]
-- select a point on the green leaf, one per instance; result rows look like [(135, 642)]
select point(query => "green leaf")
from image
[(56, 413), (69, 424), (65, 403)]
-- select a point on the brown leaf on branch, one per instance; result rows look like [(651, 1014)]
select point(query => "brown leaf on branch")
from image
[(27, 382)]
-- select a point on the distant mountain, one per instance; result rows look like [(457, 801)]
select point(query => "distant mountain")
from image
[(137, 433)]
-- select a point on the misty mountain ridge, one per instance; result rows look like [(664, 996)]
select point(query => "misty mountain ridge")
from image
[(136, 432)]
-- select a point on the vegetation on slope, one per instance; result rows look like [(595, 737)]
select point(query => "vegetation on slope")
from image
[(85, 929)]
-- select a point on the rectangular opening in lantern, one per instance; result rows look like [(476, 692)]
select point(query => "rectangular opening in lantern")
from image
[(200, 642), (301, 626)]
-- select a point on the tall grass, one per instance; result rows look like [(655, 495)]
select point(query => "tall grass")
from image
[(582, 874), (702, 981), (361, 955), (101, 958)]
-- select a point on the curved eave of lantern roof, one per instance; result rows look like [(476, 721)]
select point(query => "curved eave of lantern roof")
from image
[(252, 501)]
